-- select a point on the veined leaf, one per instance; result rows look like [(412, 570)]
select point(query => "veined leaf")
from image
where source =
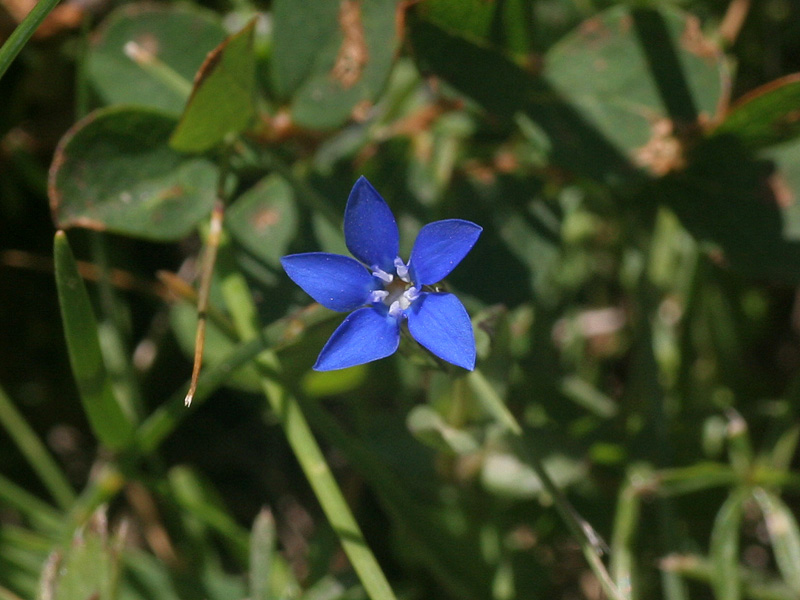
[(114, 171)]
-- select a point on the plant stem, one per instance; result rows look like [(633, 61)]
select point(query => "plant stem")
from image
[(590, 543)]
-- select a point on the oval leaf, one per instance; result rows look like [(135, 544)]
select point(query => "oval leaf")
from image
[(106, 416), (333, 56), (222, 100), (113, 171), (147, 54), (264, 219)]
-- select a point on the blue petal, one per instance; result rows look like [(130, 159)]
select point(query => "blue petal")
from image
[(441, 324), (370, 230), (439, 247), (364, 336), (337, 282)]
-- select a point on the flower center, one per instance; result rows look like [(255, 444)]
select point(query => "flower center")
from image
[(398, 291)]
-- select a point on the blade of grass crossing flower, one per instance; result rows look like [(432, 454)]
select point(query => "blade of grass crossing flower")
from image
[(262, 552), (784, 535), (35, 451), (306, 449), (212, 245), (492, 403), (724, 548), (107, 417), (590, 543), (20, 36)]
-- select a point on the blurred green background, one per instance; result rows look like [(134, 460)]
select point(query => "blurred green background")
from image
[(636, 169)]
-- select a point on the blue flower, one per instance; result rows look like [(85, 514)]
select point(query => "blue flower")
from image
[(383, 291)]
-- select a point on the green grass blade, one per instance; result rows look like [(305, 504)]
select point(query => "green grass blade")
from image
[(20, 36), (784, 534), (623, 539), (35, 451), (42, 516), (196, 497), (724, 549), (754, 584), (109, 422), (262, 550)]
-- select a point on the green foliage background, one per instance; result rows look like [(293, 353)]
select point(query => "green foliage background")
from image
[(631, 429)]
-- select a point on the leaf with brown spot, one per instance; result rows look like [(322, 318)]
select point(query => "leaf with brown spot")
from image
[(332, 56), (353, 55), (264, 219), (114, 171), (651, 75)]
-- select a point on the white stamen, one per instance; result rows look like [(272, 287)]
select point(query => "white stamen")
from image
[(382, 275), (402, 269), (395, 310), (378, 295)]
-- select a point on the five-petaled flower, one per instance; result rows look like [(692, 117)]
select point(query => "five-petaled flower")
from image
[(383, 291)]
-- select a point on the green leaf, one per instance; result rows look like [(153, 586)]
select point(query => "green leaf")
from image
[(724, 548), (767, 115), (222, 100), (301, 31), (784, 534), (264, 219), (742, 202), (113, 171), (429, 427), (503, 24), (505, 475), (332, 57), (639, 76), (197, 497), (88, 568), (754, 583), (321, 384), (609, 104), (169, 43), (109, 422)]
